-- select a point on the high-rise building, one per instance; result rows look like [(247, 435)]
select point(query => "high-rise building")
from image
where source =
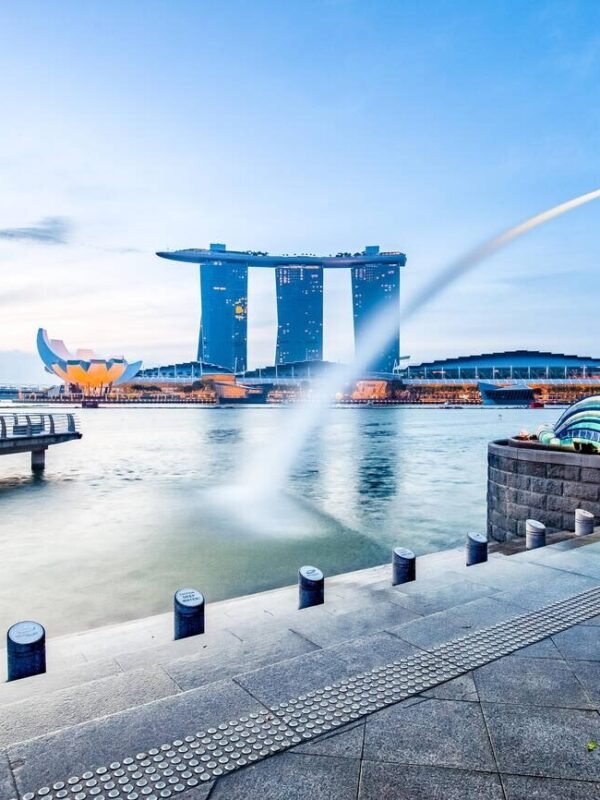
[(299, 314), (299, 283), (376, 287), (224, 321)]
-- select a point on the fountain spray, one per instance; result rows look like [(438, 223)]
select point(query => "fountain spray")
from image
[(269, 467)]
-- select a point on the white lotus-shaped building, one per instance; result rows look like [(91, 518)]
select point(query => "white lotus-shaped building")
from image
[(83, 367)]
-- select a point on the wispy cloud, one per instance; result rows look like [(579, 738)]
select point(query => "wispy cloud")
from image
[(49, 230)]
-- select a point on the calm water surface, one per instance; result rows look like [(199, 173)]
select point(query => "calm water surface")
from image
[(133, 511)]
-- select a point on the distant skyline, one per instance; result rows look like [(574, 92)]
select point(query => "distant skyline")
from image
[(294, 127)]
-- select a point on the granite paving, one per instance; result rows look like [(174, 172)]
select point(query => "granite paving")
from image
[(525, 725), (443, 733), (531, 681), (380, 781), (291, 776)]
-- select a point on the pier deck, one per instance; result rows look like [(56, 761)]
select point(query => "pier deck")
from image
[(35, 433), (469, 682)]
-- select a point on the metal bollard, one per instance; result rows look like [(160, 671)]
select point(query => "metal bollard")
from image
[(535, 534), (26, 650), (189, 613), (584, 522), (477, 545), (311, 587), (404, 565)]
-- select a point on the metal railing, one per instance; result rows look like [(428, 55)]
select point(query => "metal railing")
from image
[(25, 426)]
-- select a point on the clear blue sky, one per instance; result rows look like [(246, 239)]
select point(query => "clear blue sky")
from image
[(132, 126)]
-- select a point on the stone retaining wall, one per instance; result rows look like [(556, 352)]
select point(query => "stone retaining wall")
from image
[(538, 483)]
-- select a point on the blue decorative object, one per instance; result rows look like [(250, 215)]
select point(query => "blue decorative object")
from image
[(578, 427)]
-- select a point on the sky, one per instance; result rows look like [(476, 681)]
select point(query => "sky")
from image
[(128, 127)]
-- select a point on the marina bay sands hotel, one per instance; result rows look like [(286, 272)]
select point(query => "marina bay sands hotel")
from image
[(222, 339)]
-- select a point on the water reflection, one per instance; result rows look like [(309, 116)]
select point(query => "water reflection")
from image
[(133, 510)]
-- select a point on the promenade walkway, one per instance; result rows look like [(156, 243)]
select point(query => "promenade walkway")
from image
[(470, 682)]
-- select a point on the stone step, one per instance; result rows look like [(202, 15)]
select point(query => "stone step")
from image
[(258, 651), (267, 627), (63, 708)]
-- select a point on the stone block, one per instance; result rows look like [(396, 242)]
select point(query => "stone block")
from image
[(558, 503), (517, 511), (563, 472), (532, 468), (497, 475), (582, 491), (590, 475), (546, 486), (551, 519), (506, 464), (531, 499)]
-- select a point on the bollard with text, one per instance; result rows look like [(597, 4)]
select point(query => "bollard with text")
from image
[(311, 587), (189, 613), (26, 650)]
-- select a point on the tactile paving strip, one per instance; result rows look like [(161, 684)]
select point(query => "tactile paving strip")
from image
[(173, 768)]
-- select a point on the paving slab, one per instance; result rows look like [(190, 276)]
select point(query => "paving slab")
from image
[(588, 674), (531, 681), (166, 651), (437, 628), (277, 683), (8, 790), (580, 643), (443, 733), (522, 787), (461, 688), (39, 715), (401, 782), (544, 649), (71, 751), (346, 744), (238, 656), (542, 741), (439, 598), (578, 561), (292, 776), (505, 574), (40, 685), (361, 622), (539, 593)]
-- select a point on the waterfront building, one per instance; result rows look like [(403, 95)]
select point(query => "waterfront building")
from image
[(84, 369), (299, 314), (509, 365), (299, 285), (374, 288), (224, 320)]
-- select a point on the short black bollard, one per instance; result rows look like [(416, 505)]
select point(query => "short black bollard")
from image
[(311, 587), (535, 534), (26, 650), (189, 613), (404, 565), (477, 545)]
